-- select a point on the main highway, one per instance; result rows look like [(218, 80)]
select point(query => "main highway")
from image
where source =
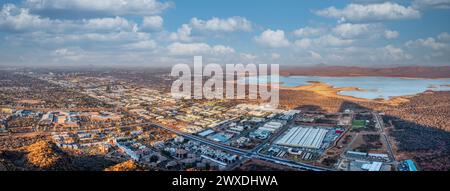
[(243, 153)]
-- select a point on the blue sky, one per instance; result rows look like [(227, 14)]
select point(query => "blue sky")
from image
[(372, 33)]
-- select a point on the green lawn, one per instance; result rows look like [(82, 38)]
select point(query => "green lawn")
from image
[(356, 124)]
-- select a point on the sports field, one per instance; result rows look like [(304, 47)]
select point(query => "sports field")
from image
[(357, 124)]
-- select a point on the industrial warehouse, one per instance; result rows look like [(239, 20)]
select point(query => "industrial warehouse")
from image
[(305, 137)]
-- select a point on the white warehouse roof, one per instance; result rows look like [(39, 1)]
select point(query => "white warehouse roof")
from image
[(303, 137)]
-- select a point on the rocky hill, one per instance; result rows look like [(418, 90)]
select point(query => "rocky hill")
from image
[(42, 155), (129, 165), (47, 156)]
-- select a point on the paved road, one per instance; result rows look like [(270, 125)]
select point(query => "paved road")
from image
[(380, 124), (242, 152), (245, 153)]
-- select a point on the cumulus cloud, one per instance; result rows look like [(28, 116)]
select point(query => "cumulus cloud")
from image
[(111, 31), (197, 28), (112, 7), (216, 24), (330, 40), (429, 42), (197, 48), (19, 19), (304, 43), (120, 42), (390, 34), (273, 39), (183, 34), (323, 41), (315, 55), (308, 31), (109, 24), (71, 54), (444, 36), (63, 52), (391, 52), (152, 23), (141, 45), (364, 30), (247, 56), (348, 30), (220, 49), (370, 12)]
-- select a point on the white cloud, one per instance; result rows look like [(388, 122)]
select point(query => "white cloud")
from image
[(444, 36), (428, 42), (141, 45), (371, 30), (220, 49), (72, 54), (247, 56), (274, 39), (323, 42), (19, 19), (190, 31), (439, 4), (390, 34), (110, 37), (95, 41), (63, 52), (315, 55), (183, 34), (348, 30), (370, 12), (216, 24), (152, 23), (391, 52), (197, 48), (109, 24), (304, 43), (113, 7), (330, 40), (308, 31)]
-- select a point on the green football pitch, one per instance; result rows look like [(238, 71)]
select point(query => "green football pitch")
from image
[(356, 124)]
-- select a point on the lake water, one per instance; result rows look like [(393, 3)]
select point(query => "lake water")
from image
[(375, 87)]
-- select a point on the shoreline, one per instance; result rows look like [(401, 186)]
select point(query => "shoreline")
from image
[(325, 90), (359, 76), (365, 76), (331, 91)]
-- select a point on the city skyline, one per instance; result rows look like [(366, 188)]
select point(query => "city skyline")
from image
[(367, 33)]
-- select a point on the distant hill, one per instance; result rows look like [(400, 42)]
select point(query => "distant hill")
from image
[(343, 71)]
